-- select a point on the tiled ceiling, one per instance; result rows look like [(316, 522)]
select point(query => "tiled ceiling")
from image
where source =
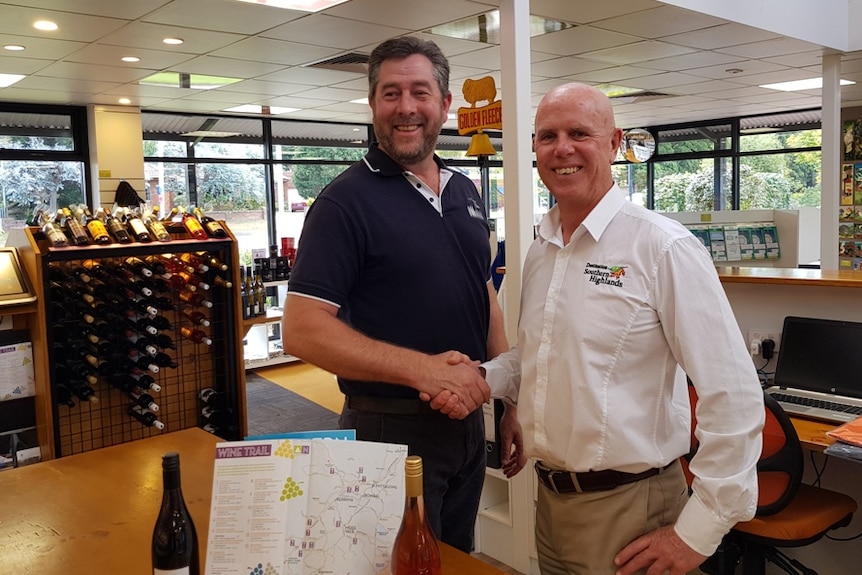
[(704, 67)]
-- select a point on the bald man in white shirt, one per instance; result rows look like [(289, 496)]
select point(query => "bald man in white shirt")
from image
[(618, 304)]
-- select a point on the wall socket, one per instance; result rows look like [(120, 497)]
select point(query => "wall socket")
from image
[(763, 334)]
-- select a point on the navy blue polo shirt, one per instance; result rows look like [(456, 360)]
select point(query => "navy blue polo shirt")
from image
[(398, 270)]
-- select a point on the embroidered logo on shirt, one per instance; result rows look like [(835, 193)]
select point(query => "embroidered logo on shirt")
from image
[(474, 209), (603, 274)]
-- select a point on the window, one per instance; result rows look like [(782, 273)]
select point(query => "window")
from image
[(43, 162)]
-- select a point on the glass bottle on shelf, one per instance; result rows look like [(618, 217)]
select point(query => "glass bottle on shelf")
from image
[(195, 335), (195, 261), (148, 418), (193, 226), (244, 295), (252, 296), (213, 227), (95, 226), (259, 292), (195, 316), (194, 299), (156, 228), (75, 231), (116, 228), (212, 261), (136, 226), (53, 231), (415, 549)]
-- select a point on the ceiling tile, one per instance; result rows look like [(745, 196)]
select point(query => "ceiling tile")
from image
[(637, 52), (661, 21), (580, 40), (222, 16)]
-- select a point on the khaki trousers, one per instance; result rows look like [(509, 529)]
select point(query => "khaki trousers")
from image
[(581, 533)]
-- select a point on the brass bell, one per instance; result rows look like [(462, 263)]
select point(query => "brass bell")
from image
[(480, 145)]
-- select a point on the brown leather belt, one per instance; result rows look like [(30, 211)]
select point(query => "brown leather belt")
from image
[(390, 405), (562, 481)]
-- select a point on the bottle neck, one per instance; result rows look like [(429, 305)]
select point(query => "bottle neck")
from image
[(171, 479)]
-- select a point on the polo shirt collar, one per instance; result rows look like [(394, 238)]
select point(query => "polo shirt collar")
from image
[(379, 162)]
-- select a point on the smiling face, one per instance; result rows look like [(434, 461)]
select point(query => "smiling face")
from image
[(409, 109), (576, 143)]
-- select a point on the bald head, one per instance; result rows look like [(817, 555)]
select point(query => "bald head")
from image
[(582, 96)]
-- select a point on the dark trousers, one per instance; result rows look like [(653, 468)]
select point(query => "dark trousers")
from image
[(453, 458)]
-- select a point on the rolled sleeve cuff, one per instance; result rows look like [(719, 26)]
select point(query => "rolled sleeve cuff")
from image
[(499, 380), (699, 528)]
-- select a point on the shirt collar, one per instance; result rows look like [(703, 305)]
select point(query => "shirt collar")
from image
[(596, 222), (379, 162)]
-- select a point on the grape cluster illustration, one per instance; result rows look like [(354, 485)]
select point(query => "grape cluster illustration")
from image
[(285, 450), (291, 489), (261, 570)]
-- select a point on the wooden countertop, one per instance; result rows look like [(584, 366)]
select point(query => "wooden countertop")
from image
[(790, 276), (93, 513)]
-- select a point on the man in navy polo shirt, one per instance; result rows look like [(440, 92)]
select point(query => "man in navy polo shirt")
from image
[(391, 291)]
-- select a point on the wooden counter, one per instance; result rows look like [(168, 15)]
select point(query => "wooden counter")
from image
[(790, 276), (93, 513)]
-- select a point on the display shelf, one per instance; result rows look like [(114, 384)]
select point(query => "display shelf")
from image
[(85, 425)]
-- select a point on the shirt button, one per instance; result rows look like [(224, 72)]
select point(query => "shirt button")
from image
[(418, 185), (431, 200)]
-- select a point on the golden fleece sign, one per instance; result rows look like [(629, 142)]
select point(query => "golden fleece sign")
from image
[(476, 119)]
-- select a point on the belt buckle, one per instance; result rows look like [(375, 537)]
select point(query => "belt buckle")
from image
[(549, 479)]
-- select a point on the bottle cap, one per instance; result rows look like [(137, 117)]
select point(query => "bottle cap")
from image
[(413, 466)]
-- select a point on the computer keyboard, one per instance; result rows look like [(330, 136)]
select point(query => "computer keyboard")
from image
[(818, 403)]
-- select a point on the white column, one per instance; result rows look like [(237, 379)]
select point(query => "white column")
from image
[(830, 167)]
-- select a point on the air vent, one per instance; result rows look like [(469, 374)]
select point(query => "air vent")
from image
[(644, 96), (350, 62)]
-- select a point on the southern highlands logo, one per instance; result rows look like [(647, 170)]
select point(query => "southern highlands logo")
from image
[(605, 274)]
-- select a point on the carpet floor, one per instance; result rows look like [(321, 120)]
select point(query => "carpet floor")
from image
[(272, 408)]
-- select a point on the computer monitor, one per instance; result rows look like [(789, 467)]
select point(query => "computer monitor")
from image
[(15, 287), (820, 355)]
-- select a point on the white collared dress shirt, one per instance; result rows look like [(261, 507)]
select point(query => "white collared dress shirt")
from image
[(608, 323)]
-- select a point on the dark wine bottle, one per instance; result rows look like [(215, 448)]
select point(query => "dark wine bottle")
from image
[(195, 316), (149, 419), (116, 228), (75, 230), (195, 335), (175, 541), (145, 400), (212, 226), (415, 549)]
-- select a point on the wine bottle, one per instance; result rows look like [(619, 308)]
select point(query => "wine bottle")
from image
[(116, 228), (146, 381), (149, 419), (195, 335), (162, 359), (137, 227), (415, 549), (259, 293), (175, 541), (212, 261), (215, 278), (252, 295), (139, 266), (195, 261), (244, 295), (63, 395), (95, 226), (195, 316), (211, 397), (52, 230), (213, 228), (194, 298), (194, 280), (145, 400), (194, 227), (156, 228), (75, 231)]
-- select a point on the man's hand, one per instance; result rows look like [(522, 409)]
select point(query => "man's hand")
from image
[(512, 442), (660, 551), (457, 387)]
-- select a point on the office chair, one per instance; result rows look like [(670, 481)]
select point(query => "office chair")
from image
[(789, 512)]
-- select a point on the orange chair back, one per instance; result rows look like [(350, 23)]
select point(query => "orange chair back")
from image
[(779, 470)]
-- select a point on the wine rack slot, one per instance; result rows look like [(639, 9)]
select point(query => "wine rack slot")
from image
[(104, 346)]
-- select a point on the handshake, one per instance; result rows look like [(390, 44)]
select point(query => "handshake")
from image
[(454, 384)]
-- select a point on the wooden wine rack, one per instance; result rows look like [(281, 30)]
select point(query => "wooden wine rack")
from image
[(64, 430)]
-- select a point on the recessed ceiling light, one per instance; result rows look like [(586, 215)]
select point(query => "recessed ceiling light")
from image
[(173, 41), (131, 59), (183, 80), (796, 85), (255, 109), (734, 70), (45, 25), (7, 80), (303, 5), (13, 47), (124, 101)]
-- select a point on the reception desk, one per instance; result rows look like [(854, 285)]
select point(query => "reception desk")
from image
[(93, 513)]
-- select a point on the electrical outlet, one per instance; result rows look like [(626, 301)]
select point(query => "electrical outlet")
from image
[(762, 334)]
